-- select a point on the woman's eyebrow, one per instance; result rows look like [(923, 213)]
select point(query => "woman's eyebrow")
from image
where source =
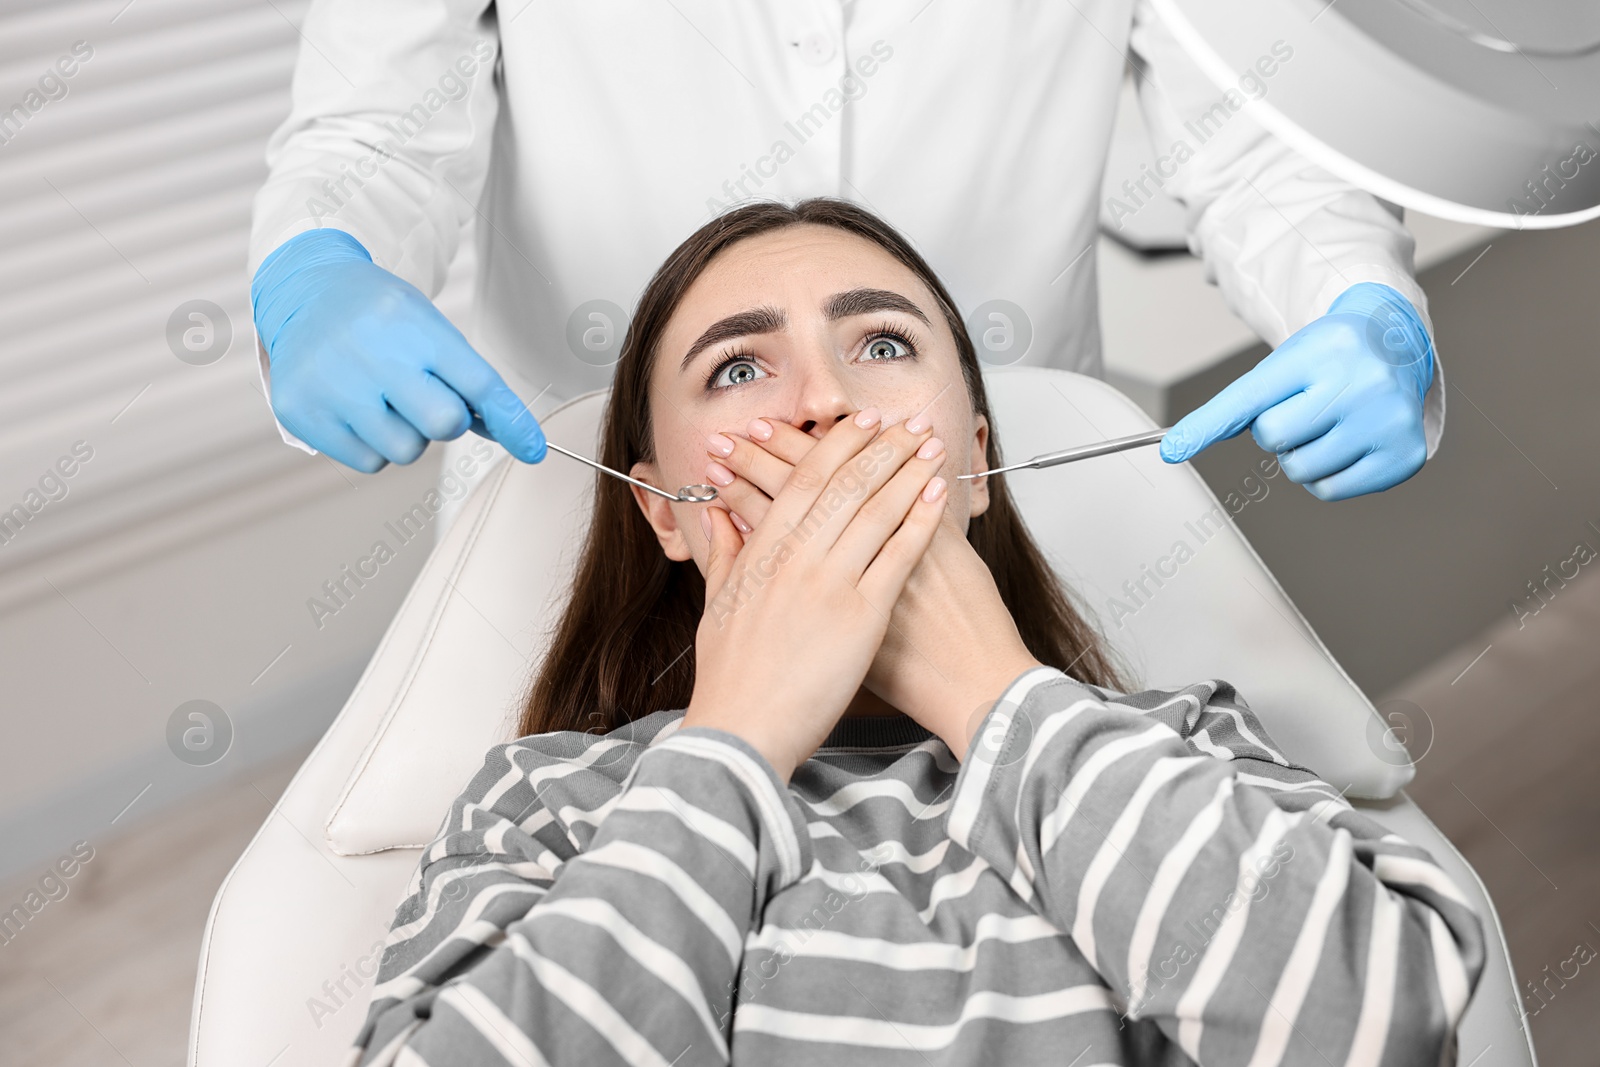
[(768, 319), (863, 301), (763, 319)]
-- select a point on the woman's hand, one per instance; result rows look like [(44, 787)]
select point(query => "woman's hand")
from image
[(951, 647), (796, 611)]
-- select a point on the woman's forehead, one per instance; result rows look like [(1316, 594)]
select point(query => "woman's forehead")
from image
[(802, 264)]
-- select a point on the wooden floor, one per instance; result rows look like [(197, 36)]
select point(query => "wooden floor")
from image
[(1512, 780), (105, 975)]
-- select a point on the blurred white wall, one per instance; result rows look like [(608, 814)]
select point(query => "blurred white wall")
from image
[(176, 562)]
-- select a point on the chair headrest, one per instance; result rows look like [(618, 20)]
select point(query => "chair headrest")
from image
[(1146, 546)]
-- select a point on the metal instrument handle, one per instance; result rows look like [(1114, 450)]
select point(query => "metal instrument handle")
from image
[(1067, 455)]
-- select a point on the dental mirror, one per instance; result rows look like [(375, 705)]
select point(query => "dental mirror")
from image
[(688, 494)]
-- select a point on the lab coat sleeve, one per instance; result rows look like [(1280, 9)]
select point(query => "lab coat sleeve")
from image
[(1230, 897), (387, 138), (575, 913), (1280, 236)]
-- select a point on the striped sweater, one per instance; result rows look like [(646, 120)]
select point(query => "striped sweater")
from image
[(1105, 879)]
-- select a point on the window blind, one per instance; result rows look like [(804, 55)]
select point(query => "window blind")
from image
[(131, 146)]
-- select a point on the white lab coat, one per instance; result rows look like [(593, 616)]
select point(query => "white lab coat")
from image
[(608, 130)]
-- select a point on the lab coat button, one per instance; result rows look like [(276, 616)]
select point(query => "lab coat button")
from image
[(816, 48)]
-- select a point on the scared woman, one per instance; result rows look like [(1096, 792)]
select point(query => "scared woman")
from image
[(833, 770)]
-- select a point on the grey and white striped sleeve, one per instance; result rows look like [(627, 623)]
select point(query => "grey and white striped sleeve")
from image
[(1222, 891), (526, 942)]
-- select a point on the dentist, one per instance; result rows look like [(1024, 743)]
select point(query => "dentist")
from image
[(586, 137)]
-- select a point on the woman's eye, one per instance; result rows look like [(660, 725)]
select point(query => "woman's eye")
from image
[(888, 346), (736, 372)]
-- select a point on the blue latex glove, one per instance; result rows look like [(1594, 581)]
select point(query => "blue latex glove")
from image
[(365, 369), (1340, 401)]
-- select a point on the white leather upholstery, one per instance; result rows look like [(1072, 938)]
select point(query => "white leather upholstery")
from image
[(315, 890)]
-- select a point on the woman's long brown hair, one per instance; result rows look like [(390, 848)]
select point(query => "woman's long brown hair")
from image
[(624, 646)]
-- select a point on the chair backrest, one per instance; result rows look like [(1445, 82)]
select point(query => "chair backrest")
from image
[(1148, 547)]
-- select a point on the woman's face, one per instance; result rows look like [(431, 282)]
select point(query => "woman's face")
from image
[(803, 325)]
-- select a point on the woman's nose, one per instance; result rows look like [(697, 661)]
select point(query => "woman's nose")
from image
[(812, 424), (823, 401)]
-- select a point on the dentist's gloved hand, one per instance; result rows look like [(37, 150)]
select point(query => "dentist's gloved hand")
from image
[(1340, 401), (365, 369)]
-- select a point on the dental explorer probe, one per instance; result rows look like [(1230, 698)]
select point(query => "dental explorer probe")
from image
[(688, 494), (1067, 455)]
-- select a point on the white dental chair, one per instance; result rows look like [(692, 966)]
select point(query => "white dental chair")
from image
[(294, 934)]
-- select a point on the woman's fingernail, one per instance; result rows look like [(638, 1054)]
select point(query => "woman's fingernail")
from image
[(722, 446), (705, 522), (760, 429), (719, 474), (744, 527), (867, 417), (930, 448), (931, 491)]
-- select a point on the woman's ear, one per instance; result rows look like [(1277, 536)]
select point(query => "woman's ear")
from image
[(979, 461), (659, 514)]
